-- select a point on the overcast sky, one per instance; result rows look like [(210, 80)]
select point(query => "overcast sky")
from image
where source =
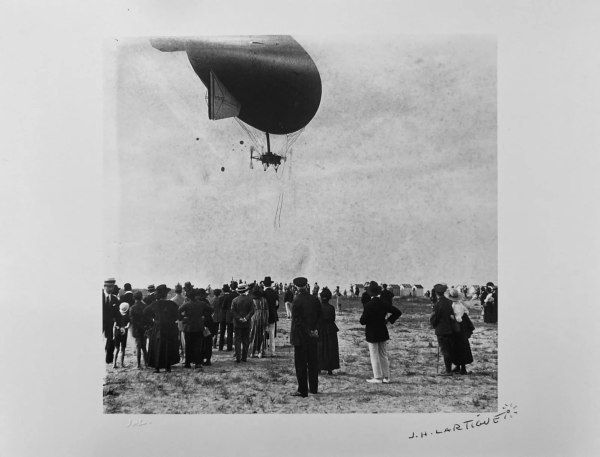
[(395, 178)]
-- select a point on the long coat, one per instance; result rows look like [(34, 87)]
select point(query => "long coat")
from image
[(328, 349), (227, 306), (163, 348), (306, 315), (440, 318), (374, 319)]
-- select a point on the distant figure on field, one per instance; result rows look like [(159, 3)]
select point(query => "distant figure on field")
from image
[(316, 289), (338, 294), (242, 309), (288, 298), (259, 324), (179, 300), (462, 349), (375, 320), (139, 325), (120, 330), (328, 349), (163, 350), (110, 307), (441, 320), (304, 336), (272, 298), (216, 317)]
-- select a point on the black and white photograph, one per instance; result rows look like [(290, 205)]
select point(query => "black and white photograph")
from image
[(345, 188), (299, 216)]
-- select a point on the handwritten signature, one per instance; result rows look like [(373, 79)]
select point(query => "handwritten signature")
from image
[(507, 413), (137, 423)]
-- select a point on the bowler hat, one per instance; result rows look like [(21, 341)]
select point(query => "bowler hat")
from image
[(440, 288), (300, 282), (374, 289), (490, 284), (267, 282), (226, 288), (151, 288)]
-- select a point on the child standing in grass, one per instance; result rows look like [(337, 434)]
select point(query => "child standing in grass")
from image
[(120, 330)]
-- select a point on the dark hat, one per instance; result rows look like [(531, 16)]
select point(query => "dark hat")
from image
[(110, 282), (217, 292), (384, 286), (226, 288), (178, 288), (116, 289), (138, 295), (256, 292), (267, 282), (300, 282), (162, 288), (374, 289), (233, 285), (127, 286), (440, 288), (325, 294), (151, 288), (490, 284)]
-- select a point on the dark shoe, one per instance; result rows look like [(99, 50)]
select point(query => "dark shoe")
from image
[(329, 372), (168, 369), (315, 393), (244, 360), (237, 360), (298, 394), (207, 363), (464, 371), (157, 370), (187, 365)]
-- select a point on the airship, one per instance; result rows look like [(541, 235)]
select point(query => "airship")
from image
[(268, 82)]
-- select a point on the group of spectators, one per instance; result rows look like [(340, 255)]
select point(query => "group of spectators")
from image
[(242, 318)]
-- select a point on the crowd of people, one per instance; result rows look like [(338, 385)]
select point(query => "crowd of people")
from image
[(242, 318)]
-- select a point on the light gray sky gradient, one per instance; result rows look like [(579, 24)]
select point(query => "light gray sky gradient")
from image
[(395, 178)]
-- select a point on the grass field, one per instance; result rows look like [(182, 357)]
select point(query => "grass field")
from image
[(265, 385)]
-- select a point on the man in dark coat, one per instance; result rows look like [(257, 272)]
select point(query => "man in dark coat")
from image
[(387, 295), (304, 336), (272, 298), (226, 309), (242, 309), (441, 321), (191, 317), (375, 320), (110, 307)]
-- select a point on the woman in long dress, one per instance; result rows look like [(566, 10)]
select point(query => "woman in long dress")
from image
[(259, 324), (328, 348), (163, 349), (462, 348)]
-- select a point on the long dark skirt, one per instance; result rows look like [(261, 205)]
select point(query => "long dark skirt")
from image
[(462, 354), (328, 349), (194, 347), (163, 348), (207, 348)]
